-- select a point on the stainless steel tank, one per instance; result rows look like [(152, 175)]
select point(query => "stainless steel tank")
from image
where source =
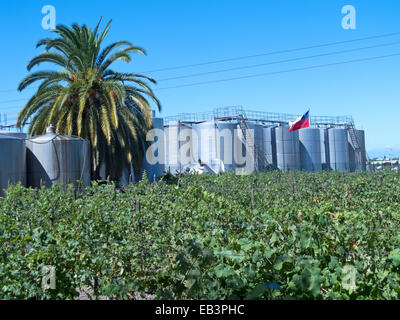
[(171, 147), (324, 148), (250, 148), (225, 144), (57, 159), (269, 145), (259, 157), (338, 149), (287, 149), (357, 159), (310, 149), (177, 138), (156, 169), (215, 144), (205, 145), (361, 141), (12, 161)]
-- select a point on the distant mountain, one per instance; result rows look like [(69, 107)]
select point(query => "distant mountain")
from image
[(384, 152)]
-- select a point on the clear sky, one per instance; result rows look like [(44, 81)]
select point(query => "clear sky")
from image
[(176, 33)]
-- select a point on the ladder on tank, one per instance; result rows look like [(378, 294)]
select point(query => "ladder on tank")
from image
[(356, 145), (262, 161)]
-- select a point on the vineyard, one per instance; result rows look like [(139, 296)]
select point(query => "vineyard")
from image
[(263, 236)]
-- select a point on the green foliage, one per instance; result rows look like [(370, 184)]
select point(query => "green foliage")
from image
[(204, 238)]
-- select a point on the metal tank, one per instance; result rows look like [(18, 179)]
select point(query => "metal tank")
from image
[(338, 149), (156, 169), (204, 142), (13, 162), (324, 148), (171, 148), (57, 159), (253, 146), (310, 149), (225, 143), (172, 136), (287, 149), (357, 160), (214, 145), (269, 145), (260, 163), (361, 141)]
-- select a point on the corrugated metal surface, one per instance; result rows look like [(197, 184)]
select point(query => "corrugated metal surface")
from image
[(12, 161), (310, 149), (338, 149), (357, 162), (57, 159), (324, 149), (258, 144), (205, 149), (158, 168), (171, 147), (361, 141), (177, 137), (226, 144), (269, 145), (287, 149), (215, 144)]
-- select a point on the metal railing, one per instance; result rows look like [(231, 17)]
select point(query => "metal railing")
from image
[(233, 112)]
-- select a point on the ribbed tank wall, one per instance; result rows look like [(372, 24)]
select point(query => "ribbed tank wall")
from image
[(338, 149), (269, 145), (215, 141), (57, 159), (287, 149), (173, 135), (12, 162), (156, 169), (205, 136), (171, 147), (310, 149), (258, 145), (225, 144), (361, 139), (357, 162), (254, 145), (324, 149)]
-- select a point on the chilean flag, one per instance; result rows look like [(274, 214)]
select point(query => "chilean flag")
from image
[(300, 123)]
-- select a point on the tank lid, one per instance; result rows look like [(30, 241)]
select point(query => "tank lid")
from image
[(174, 123), (51, 135), (50, 129)]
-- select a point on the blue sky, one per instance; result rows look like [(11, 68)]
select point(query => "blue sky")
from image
[(176, 33)]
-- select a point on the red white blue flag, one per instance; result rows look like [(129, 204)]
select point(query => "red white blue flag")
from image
[(300, 123)]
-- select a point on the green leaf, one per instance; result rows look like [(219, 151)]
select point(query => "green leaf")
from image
[(256, 292)]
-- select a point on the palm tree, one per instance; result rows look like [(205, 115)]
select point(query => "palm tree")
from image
[(85, 97)]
